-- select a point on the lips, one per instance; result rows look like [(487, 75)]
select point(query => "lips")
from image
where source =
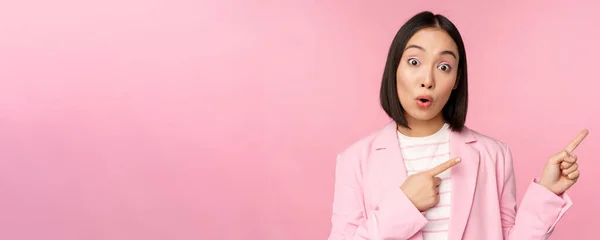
[(424, 98), (424, 101)]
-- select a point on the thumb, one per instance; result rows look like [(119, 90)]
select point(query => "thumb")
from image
[(560, 157)]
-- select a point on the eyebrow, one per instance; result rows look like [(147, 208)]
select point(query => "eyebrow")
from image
[(423, 49)]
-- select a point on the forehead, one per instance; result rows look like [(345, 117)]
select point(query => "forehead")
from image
[(433, 39)]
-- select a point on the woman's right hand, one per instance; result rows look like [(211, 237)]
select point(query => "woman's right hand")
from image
[(422, 189)]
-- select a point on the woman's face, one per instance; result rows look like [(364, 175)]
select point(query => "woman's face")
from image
[(427, 74)]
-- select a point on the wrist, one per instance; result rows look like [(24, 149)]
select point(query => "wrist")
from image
[(545, 184)]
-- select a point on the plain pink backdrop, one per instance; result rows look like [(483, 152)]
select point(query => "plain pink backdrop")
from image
[(181, 119)]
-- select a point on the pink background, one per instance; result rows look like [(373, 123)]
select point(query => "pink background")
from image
[(221, 120)]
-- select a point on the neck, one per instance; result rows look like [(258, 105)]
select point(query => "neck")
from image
[(422, 128)]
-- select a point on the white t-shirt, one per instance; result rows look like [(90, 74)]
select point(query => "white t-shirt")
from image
[(424, 153)]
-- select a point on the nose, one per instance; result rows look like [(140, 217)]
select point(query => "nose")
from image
[(428, 80)]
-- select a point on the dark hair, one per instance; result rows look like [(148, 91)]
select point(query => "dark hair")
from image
[(455, 110)]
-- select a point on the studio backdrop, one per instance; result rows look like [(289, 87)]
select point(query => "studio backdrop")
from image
[(222, 119)]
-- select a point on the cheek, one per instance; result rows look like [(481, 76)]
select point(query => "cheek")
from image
[(401, 83), (403, 89), (403, 79), (446, 85)]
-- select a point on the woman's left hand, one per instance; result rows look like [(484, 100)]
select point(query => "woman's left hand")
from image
[(561, 170)]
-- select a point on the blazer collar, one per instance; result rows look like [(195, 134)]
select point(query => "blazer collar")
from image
[(386, 150)]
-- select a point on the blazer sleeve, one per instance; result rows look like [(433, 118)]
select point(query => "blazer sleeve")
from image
[(539, 211), (395, 217)]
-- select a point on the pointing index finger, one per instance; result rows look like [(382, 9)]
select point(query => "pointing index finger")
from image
[(575, 142), (443, 166)]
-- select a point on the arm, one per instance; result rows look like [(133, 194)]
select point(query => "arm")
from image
[(395, 216), (538, 213)]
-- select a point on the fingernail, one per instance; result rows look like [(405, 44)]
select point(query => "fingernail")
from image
[(458, 160)]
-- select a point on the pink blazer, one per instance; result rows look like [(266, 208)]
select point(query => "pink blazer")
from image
[(368, 202)]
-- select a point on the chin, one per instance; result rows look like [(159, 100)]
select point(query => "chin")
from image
[(423, 115)]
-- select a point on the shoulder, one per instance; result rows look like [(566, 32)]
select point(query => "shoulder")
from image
[(361, 149), (485, 142), (361, 146), (356, 158)]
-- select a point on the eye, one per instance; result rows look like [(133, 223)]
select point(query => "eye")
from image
[(413, 61), (444, 67)]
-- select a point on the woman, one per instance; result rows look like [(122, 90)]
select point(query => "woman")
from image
[(397, 184)]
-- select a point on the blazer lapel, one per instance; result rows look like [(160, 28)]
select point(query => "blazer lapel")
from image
[(464, 179), (386, 154)]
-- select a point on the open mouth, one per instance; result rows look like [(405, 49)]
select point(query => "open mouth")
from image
[(424, 101)]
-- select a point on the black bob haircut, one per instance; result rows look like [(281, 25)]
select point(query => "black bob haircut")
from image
[(455, 110)]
